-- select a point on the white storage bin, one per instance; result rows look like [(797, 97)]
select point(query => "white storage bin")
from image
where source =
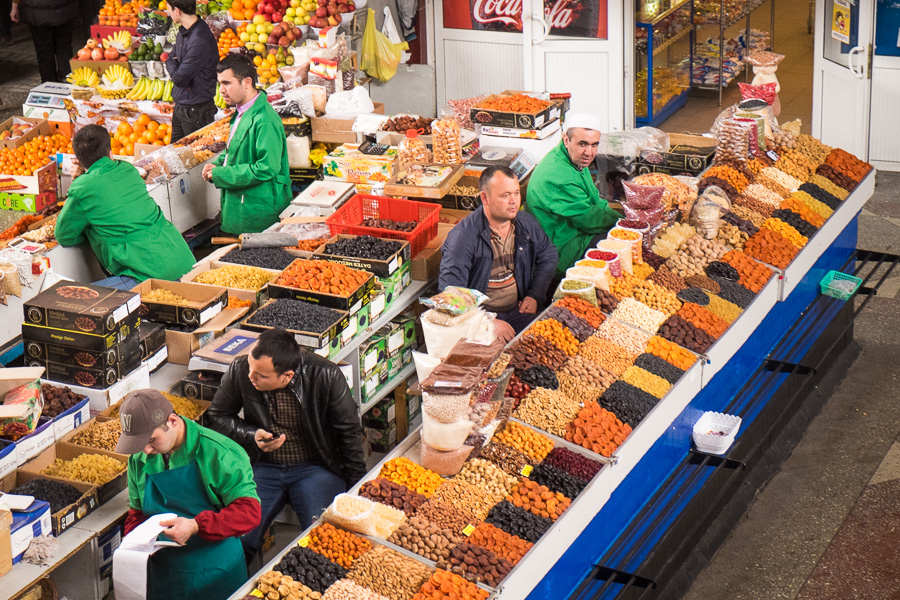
[(714, 432)]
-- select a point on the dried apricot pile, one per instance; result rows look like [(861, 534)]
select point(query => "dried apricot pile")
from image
[(445, 585), (771, 247), (582, 308), (338, 545), (322, 276), (702, 318), (597, 429), (538, 499), (529, 442), (554, 331), (848, 164), (753, 274), (405, 472), (670, 352), (503, 544)]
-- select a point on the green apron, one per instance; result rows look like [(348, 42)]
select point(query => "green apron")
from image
[(200, 568)]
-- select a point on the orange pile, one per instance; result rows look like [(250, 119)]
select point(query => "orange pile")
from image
[(116, 14), (238, 303), (403, 471), (242, 10), (144, 131), (529, 442), (445, 585), (753, 274), (267, 69), (671, 352), (33, 154), (538, 499), (338, 545), (229, 39), (597, 429), (582, 308), (504, 545), (323, 276), (702, 318), (560, 336)]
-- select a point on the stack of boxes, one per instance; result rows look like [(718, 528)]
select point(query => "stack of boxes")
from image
[(391, 419), (385, 354), (85, 336)]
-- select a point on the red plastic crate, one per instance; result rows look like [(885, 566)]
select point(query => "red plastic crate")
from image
[(349, 217)]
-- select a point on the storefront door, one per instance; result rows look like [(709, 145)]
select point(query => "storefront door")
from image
[(884, 136), (842, 82)]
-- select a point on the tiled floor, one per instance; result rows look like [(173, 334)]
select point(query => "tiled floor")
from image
[(795, 73)]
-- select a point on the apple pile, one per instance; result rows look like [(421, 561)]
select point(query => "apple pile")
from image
[(329, 13), (272, 10), (92, 50), (300, 12), (284, 35)]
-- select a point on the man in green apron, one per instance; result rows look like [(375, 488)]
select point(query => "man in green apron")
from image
[(177, 466), (109, 207)]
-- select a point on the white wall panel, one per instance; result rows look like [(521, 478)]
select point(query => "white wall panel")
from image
[(586, 76), (473, 68), (884, 131)]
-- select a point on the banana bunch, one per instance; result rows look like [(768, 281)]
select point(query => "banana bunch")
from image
[(120, 40), (83, 77), (112, 93), (218, 99), (115, 74), (148, 88)]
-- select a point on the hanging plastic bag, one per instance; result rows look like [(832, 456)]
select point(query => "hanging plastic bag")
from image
[(379, 56)]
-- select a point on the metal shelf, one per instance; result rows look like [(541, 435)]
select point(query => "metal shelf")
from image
[(665, 14), (671, 40)]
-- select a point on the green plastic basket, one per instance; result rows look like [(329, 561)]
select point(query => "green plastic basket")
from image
[(826, 285)]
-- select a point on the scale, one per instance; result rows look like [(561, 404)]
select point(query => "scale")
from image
[(494, 156), (24, 245)]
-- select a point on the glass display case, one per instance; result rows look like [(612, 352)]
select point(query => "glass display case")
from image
[(663, 39)]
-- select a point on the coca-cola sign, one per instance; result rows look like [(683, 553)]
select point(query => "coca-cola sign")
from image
[(570, 18)]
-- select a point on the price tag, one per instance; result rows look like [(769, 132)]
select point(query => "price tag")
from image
[(304, 541), (469, 530), (771, 154), (526, 470), (257, 593)]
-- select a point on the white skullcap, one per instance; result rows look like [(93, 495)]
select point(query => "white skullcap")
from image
[(582, 120)]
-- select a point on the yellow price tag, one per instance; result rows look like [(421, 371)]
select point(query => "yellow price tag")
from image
[(526, 470), (304, 541), (469, 530), (257, 593)]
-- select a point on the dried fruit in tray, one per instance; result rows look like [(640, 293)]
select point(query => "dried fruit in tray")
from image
[(323, 276), (518, 103), (597, 429)]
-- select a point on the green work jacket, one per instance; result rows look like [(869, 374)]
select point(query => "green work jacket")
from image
[(255, 182), (224, 467), (568, 206), (109, 207)]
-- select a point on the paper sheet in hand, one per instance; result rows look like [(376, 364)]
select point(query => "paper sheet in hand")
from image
[(130, 559)]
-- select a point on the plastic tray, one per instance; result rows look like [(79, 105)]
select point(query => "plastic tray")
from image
[(349, 217), (715, 421), (826, 285)]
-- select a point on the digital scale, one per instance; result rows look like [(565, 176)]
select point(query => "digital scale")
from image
[(493, 156)]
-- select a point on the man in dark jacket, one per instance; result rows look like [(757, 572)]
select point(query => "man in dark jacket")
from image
[(501, 252), (51, 31), (192, 67), (300, 425)]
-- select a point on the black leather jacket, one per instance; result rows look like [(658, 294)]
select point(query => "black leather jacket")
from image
[(331, 417), (47, 13)]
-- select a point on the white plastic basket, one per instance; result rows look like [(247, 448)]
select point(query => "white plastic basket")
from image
[(714, 432)]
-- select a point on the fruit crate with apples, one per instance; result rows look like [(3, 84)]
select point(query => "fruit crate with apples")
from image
[(38, 127)]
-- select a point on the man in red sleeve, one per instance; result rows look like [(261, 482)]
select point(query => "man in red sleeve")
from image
[(177, 466)]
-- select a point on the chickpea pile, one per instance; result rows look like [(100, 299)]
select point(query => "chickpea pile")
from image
[(559, 335), (529, 442), (538, 499), (338, 545), (405, 472), (656, 297)]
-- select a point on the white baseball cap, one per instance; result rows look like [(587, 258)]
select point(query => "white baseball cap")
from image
[(582, 120)]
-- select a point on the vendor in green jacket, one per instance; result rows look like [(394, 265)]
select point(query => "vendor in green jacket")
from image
[(253, 171), (109, 207), (562, 196)]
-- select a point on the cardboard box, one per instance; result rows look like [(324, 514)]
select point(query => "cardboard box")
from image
[(158, 359), (98, 377), (377, 302), (125, 334), (394, 285), (34, 522), (255, 296), (68, 516), (43, 351), (426, 264), (37, 441), (68, 421), (9, 458), (101, 399), (106, 547), (351, 303), (347, 163), (182, 345), (43, 181), (81, 307), (499, 118), (152, 339), (687, 154), (200, 386), (381, 268), (381, 440), (20, 393), (525, 134), (220, 353), (337, 131), (309, 339), (371, 353), (40, 127), (26, 202), (6, 519), (97, 66), (406, 323), (372, 382), (67, 451), (203, 302), (299, 126)]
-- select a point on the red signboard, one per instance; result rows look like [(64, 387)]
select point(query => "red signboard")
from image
[(570, 18)]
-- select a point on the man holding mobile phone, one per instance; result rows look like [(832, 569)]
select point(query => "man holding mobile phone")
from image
[(300, 423)]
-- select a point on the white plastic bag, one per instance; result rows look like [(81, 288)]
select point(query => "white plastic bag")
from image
[(349, 104)]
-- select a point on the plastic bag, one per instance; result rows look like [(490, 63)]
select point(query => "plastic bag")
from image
[(455, 300), (379, 57), (445, 436), (762, 92), (577, 289), (352, 513), (651, 139), (298, 151), (349, 104), (444, 463), (708, 210), (643, 202)]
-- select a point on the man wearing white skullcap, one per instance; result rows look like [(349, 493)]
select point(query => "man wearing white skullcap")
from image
[(562, 196)]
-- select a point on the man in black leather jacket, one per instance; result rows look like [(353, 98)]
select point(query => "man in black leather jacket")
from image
[(300, 426)]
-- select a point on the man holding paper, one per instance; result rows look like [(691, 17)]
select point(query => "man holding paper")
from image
[(179, 467)]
